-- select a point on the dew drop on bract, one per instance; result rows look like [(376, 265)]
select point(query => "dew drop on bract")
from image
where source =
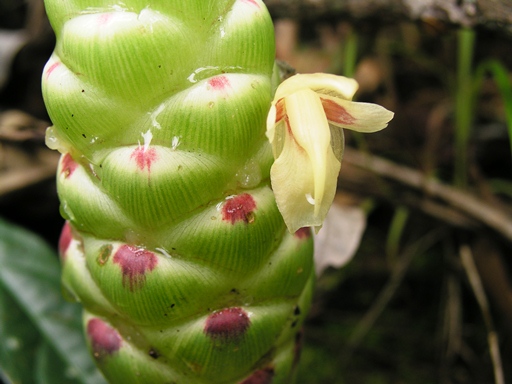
[(250, 175)]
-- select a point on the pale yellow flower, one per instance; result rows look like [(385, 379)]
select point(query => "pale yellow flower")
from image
[(304, 126)]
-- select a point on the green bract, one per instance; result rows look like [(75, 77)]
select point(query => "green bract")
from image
[(174, 243)]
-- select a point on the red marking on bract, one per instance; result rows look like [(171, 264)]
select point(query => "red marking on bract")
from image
[(144, 157), (104, 18), (68, 165), (218, 83), (253, 2), (263, 376), (105, 340), (51, 69), (65, 239), (228, 325), (303, 233), (239, 208), (337, 113), (135, 263)]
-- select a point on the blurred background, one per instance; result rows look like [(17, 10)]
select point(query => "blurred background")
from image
[(424, 295)]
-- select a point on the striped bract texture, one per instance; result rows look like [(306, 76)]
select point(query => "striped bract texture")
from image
[(173, 242)]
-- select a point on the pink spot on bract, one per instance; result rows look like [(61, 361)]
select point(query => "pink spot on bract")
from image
[(253, 2), (337, 113), (228, 325), (104, 18), (239, 208), (52, 68), (144, 157), (135, 263), (303, 233), (262, 376), (218, 83), (105, 340), (65, 239), (68, 165)]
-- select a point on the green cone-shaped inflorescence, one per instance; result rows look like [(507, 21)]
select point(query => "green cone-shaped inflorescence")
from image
[(174, 243)]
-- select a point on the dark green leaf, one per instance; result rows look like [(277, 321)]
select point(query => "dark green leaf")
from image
[(48, 367), (30, 273), (19, 341)]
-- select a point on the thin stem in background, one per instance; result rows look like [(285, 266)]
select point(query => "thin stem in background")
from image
[(478, 289), (500, 75), (395, 232), (415, 249), (463, 103), (350, 45), (350, 53)]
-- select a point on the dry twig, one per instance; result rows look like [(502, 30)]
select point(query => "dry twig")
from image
[(387, 293), (466, 207), (478, 290)]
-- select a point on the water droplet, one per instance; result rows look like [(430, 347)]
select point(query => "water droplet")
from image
[(53, 141), (211, 104), (192, 78), (175, 142), (153, 115), (164, 252), (147, 136), (250, 175), (203, 73), (66, 211)]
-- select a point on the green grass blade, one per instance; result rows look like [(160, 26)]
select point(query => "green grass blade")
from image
[(396, 230), (463, 103), (501, 77)]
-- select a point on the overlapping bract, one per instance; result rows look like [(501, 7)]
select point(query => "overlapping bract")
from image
[(174, 243)]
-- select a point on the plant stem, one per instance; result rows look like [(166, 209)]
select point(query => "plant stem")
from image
[(350, 54), (350, 45), (396, 230), (500, 75), (463, 110)]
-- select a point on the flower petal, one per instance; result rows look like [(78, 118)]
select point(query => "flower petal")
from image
[(361, 117), (322, 83), (271, 123), (304, 175), (304, 128)]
